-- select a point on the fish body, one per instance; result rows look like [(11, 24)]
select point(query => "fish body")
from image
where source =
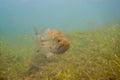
[(53, 42)]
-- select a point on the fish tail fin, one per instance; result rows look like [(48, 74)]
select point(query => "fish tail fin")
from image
[(36, 31), (38, 36)]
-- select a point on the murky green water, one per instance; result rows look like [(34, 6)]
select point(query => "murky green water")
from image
[(91, 26)]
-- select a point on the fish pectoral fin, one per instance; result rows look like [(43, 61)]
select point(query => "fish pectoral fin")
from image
[(49, 54)]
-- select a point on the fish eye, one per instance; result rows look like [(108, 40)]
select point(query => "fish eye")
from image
[(59, 40)]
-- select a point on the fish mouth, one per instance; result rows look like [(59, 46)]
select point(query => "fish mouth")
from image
[(60, 49)]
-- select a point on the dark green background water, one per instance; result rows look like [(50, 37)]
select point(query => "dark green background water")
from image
[(19, 16)]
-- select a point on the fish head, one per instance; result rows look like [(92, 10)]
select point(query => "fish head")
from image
[(61, 44)]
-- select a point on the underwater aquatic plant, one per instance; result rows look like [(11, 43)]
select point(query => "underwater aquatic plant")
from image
[(92, 56)]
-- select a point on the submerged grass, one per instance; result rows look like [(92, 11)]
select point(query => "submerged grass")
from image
[(92, 56)]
